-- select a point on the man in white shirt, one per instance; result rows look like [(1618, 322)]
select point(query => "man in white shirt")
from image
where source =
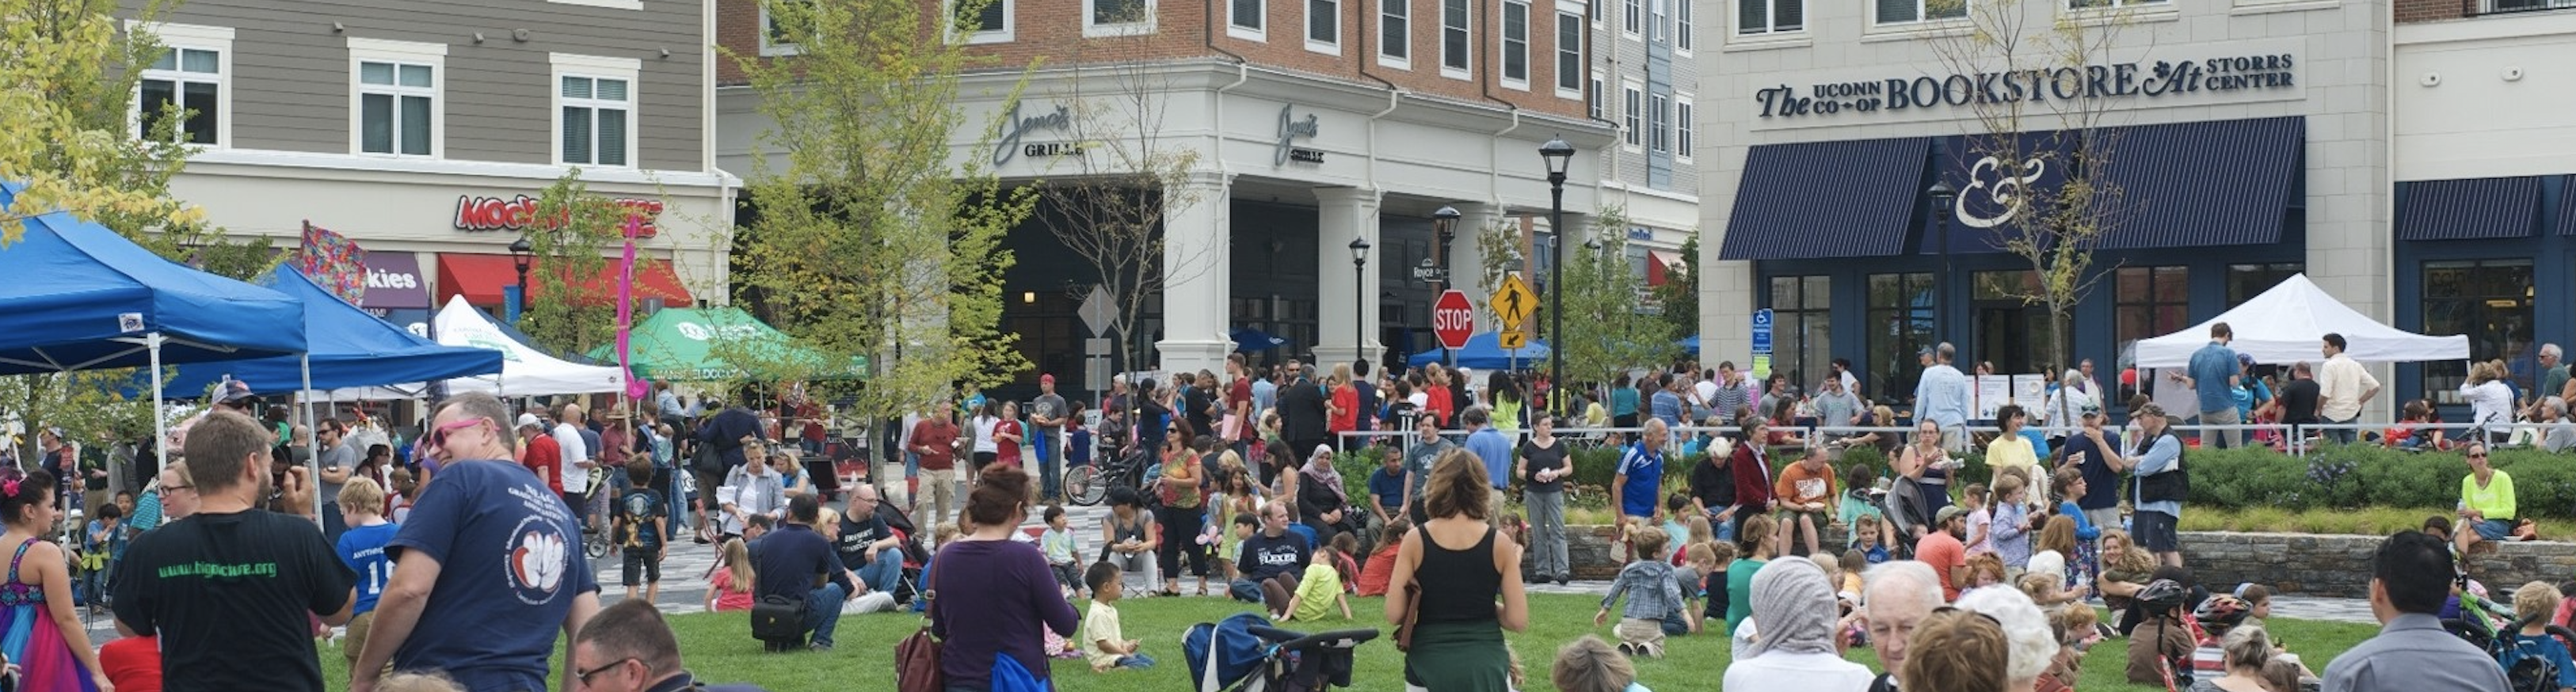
[(576, 459), (2343, 386)]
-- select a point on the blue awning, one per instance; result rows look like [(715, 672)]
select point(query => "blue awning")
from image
[(2567, 206), (2468, 209), (2225, 182), (1826, 199)]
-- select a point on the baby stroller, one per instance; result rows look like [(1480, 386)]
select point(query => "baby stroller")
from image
[(2490, 627), (1243, 653), (914, 556)]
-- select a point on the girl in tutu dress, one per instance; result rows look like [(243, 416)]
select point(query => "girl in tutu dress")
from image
[(38, 630)]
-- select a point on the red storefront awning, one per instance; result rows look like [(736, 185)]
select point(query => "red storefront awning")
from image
[(1659, 263), (480, 279)]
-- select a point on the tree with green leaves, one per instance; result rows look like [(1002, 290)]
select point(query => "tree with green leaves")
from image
[(573, 228), (1601, 293), (869, 238), (1677, 299)]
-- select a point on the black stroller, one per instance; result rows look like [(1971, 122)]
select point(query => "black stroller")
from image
[(1244, 653)]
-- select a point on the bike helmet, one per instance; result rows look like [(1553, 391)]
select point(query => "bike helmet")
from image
[(2221, 612), (2161, 595)]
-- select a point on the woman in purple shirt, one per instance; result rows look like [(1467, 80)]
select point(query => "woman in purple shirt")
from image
[(1013, 594)]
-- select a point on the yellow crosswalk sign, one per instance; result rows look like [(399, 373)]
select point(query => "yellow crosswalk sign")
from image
[(1513, 304)]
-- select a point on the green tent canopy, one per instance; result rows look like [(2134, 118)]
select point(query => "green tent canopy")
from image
[(679, 344)]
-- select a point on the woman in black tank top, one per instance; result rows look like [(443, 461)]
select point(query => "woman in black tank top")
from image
[(1457, 640)]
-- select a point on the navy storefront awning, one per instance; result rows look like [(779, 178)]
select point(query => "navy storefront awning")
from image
[(2226, 182), (1826, 199), (2468, 209), (2567, 207)]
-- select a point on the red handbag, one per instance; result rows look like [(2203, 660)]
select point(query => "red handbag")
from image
[(916, 658)]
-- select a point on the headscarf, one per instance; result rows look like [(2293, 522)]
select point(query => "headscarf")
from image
[(1323, 474), (1796, 608)]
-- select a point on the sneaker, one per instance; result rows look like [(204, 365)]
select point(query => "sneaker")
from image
[(821, 646), (1626, 649)]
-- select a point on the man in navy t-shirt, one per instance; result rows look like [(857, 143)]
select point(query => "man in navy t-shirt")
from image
[(487, 567), (2096, 454)]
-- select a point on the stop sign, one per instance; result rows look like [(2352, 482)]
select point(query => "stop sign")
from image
[(1453, 319)]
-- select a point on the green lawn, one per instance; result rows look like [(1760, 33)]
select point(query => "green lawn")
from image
[(719, 649)]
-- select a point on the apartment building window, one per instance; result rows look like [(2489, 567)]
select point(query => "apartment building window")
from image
[(1117, 17), (397, 96), (1245, 19), (2085, 4), (595, 98), (1516, 44), (1655, 29), (1682, 25), (1776, 16), (1569, 55), (1682, 126), (984, 21), (1453, 39), (1594, 96), (1324, 26), (1660, 125), (1633, 17), (193, 77), (775, 38), (1633, 116), (1395, 33), (1908, 11)]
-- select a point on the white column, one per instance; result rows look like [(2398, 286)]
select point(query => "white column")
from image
[(1467, 260), (1346, 213), (1196, 276)]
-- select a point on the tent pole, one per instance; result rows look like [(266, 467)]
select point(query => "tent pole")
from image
[(313, 439), (160, 424)]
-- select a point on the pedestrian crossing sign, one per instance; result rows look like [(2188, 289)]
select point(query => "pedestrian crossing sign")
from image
[(1513, 304)]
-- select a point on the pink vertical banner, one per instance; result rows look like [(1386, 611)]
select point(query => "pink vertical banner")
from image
[(635, 386)]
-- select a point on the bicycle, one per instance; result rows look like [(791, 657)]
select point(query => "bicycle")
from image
[(1086, 485), (2488, 626)]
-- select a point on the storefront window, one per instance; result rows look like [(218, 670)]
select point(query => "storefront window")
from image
[(1900, 325), (2244, 281), (2012, 332), (2150, 302), (1802, 328), (2490, 302)]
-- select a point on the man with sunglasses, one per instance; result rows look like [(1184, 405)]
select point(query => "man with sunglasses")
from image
[(630, 648), (230, 589), (485, 567)]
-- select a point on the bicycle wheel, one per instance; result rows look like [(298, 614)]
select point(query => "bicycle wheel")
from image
[(1082, 485), (594, 544)]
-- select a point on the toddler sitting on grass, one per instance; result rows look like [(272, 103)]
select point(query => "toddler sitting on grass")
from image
[(1652, 596)]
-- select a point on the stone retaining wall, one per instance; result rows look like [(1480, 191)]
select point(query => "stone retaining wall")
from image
[(2303, 564)]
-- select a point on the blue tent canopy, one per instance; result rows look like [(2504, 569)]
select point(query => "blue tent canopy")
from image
[(1250, 340), (349, 348), (1689, 344), (78, 296), (1485, 352)]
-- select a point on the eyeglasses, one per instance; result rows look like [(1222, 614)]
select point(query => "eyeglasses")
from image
[(2480, 455), (585, 675)]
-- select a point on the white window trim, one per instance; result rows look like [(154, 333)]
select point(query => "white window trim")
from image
[(364, 50), (1922, 20), (1467, 72), (1632, 19), (1010, 24), (1333, 47), (1582, 53), (1600, 91), (1235, 28), (198, 37), (1657, 21), (598, 67), (1503, 45), (1682, 24), (1139, 27), (1632, 138), (1400, 63), (1659, 123), (771, 49), (1685, 106), (1771, 16), (610, 4)]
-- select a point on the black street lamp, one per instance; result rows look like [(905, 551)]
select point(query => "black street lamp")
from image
[(1941, 196), (1558, 155), (1359, 299), (520, 254), (1444, 226)]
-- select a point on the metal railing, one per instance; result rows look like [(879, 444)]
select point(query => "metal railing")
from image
[(2512, 6), (2296, 439)]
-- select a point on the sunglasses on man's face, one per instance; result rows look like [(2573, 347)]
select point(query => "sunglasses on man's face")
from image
[(437, 438)]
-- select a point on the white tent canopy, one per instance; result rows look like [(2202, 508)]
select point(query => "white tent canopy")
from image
[(2288, 323), (525, 371)]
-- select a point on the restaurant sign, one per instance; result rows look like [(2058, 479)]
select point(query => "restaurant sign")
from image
[(519, 213)]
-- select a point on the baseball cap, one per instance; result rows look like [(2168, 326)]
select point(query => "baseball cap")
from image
[(529, 420), (1048, 378), (232, 391), (1948, 513)]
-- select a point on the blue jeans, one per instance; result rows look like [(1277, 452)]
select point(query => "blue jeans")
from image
[(2343, 435), (1676, 624), (1050, 466), (823, 612), (911, 465), (880, 574), (1136, 660), (1245, 590)]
